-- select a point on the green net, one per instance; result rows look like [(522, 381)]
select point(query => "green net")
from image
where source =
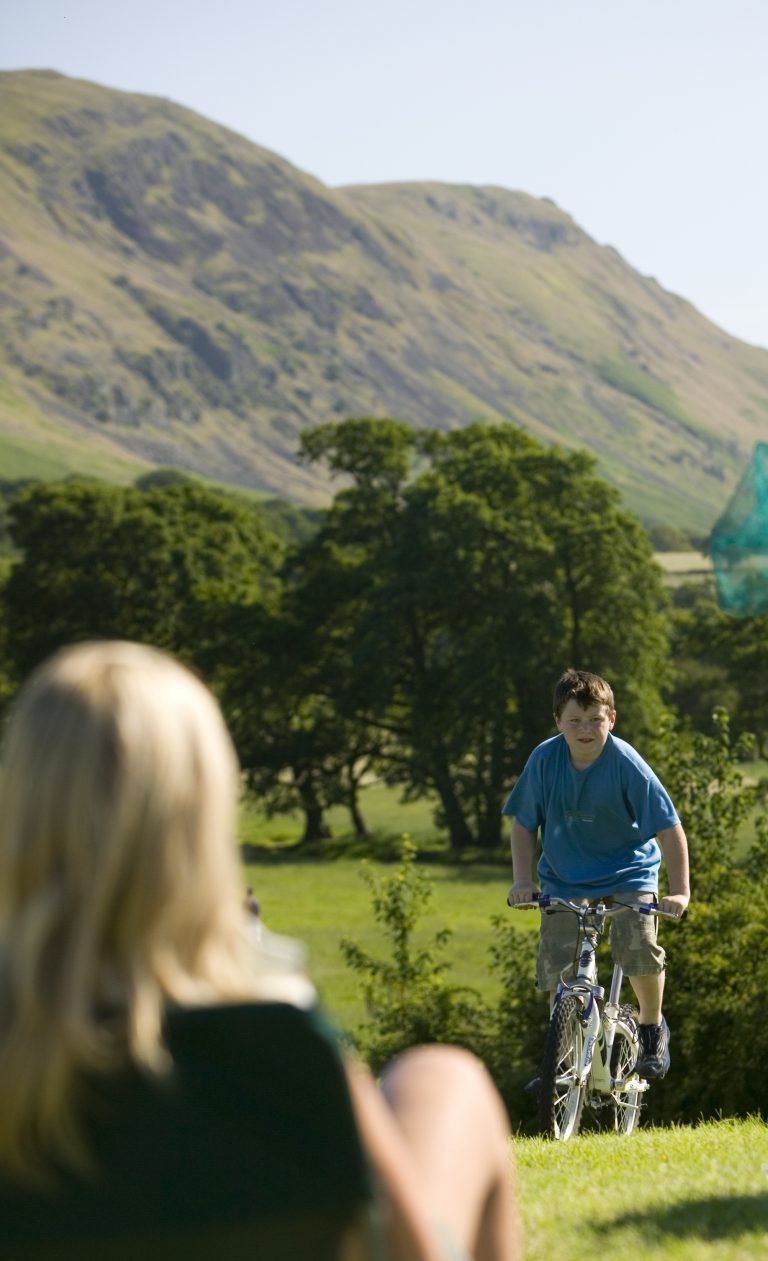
[(739, 542)]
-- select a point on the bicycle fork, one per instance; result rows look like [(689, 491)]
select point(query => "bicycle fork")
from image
[(599, 1034)]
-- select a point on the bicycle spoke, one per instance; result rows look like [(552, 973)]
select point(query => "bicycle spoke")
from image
[(561, 1095), (627, 1094)]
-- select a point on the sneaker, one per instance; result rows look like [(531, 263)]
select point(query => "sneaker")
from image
[(654, 1057)]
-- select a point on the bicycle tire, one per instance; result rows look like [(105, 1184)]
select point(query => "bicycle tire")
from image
[(561, 1095), (626, 1100)]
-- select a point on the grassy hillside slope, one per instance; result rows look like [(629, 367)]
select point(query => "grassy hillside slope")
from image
[(171, 293)]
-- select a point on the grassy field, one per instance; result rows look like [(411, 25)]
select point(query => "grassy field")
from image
[(682, 1194), (384, 814), (321, 901), (682, 567)]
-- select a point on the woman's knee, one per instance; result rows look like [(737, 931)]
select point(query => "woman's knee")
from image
[(444, 1073)]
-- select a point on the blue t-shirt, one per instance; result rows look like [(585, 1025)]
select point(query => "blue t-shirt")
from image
[(598, 826)]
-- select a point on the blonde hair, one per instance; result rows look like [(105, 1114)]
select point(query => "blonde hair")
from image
[(119, 881)]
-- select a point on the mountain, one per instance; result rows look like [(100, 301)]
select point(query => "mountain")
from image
[(172, 294)]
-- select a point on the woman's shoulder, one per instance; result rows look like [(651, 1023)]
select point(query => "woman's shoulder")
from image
[(240, 1028)]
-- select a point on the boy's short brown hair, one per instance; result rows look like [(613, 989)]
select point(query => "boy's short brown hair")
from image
[(584, 688)]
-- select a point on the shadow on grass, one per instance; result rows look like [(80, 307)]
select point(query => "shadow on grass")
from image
[(378, 847), (716, 1217)]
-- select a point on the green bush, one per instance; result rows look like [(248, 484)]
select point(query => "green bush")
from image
[(410, 1000), (408, 997), (717, 971)]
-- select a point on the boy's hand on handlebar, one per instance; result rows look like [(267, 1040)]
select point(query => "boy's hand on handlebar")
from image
[(522, 891), (675, 904)]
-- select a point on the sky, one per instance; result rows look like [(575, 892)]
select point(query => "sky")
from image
[(646, 122)]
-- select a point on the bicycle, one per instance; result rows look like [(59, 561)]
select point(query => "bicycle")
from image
[(592, 1046)]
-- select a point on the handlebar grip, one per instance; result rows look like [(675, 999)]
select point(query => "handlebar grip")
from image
[(539, 900), (656, 910)]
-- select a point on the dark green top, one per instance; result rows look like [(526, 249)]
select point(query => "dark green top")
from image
[(253, 1127)]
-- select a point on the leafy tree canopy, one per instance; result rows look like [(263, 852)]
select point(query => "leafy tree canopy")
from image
[(454, 577), (153, 565)]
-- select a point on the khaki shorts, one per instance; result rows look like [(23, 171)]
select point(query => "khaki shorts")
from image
[(632, 937)]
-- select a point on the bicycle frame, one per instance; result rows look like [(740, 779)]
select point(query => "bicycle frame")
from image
[(599, 1024)]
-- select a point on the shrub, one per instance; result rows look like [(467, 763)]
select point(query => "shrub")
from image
[(410, 1000), (408, 997), (718, 968)]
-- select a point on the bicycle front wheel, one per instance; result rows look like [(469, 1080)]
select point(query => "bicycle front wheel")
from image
[(626, 1093), (561, 1095)]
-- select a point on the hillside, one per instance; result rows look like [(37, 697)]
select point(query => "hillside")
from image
[(171, 293)]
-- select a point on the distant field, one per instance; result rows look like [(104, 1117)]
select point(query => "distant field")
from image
[(381, 807), (679, 566)]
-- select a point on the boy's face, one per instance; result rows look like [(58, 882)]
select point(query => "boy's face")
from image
[(585, 730)]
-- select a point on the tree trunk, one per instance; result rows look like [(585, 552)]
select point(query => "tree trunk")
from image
[(315, 827), (358, 822), (458, 828), (489, 829), (493, 790)]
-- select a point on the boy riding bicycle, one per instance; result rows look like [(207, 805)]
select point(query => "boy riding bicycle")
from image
[(606, 820)]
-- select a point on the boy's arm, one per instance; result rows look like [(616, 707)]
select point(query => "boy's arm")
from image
[(523, 843), (674, 848)]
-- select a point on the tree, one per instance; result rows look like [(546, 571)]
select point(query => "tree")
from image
[(157, 566), (454, 577), (296, 747), (719, 660)]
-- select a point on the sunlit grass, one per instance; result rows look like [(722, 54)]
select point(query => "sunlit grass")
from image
[(321, 899), (321, 902), (683, 1194)]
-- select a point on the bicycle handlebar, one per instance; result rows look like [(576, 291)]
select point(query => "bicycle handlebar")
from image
[(544, 900)]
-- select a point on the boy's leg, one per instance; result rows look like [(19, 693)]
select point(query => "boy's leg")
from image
[(649, 991), (455, 1125), (558, 948), (635, 947)]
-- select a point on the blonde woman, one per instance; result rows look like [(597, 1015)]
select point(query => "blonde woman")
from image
[(167, 1086)]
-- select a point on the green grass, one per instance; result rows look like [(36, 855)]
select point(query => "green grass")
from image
[(49, 460), (682, 1194), (646, 388), (322, 901)]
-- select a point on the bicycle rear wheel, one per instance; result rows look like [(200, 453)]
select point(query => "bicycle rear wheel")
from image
[(561, 1095), (627, 1093)]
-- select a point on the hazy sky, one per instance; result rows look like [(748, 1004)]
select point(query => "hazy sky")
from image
[(647, 122)]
